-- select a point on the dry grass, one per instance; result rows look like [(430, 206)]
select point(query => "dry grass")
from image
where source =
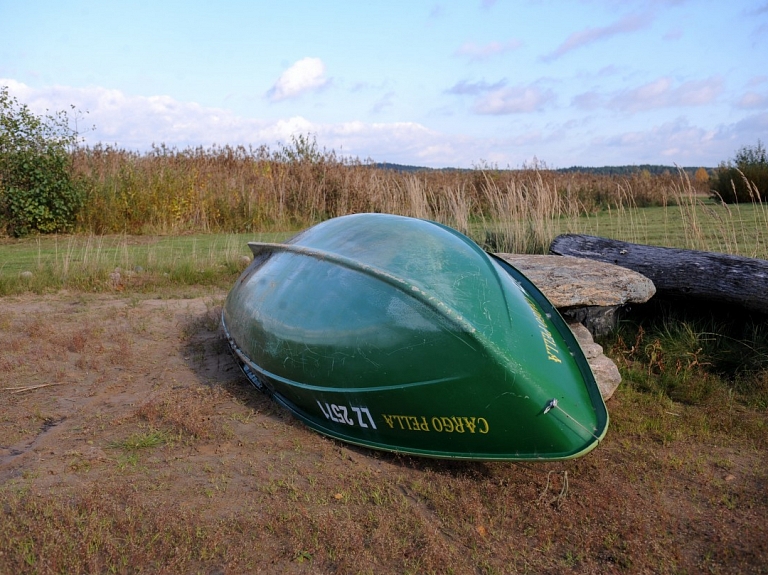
[(254, 190), (155, 456), (239, 190)]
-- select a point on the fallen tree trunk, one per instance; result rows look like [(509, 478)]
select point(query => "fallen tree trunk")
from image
[(680, 273)]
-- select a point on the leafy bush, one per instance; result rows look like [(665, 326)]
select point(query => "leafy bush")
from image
[(745, 179), (37, 190)]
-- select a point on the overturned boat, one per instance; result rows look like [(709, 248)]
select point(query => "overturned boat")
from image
[(402, 334)]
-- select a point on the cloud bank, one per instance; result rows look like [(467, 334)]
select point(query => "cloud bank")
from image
[(136, 122), (663, 92)]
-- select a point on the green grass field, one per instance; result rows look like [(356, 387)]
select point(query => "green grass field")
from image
[(738, 230), (143, 262), (149, 262)]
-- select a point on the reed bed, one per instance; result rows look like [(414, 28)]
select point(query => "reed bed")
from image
[(239, 190)]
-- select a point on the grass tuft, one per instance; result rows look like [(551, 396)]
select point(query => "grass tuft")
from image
[(142, 440)]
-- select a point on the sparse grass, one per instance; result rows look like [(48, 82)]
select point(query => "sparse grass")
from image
[(178, 465)]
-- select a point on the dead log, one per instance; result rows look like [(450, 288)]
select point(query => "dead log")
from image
[(679, 273)]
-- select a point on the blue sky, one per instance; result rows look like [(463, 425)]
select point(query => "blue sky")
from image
[(571, 82)]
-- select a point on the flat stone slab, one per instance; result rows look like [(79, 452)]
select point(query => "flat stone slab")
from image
[(570, 282)]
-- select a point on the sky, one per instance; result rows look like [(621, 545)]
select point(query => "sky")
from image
[(439, 84)]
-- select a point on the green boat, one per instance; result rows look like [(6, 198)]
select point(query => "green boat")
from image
[(402, 334)]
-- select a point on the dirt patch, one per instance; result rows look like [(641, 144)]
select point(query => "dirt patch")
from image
[(130, 442)]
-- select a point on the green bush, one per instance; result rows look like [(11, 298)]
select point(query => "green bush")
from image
[(37, 190), (745, 179)]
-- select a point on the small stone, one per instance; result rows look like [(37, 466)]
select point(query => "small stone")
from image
[(584, 337), (26, 275), (605, 371)]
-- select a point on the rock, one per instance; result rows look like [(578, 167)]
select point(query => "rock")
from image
[(584, 291), (605, 371), (576, 282), (115, 278), (26, 275), (600, 320)]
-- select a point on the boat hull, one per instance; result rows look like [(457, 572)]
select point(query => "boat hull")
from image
[(401, 334)]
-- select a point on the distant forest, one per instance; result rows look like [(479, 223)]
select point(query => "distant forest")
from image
[(602, 171)]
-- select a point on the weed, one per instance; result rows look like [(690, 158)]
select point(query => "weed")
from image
[(130, 459), (142, 440), (693, 356)]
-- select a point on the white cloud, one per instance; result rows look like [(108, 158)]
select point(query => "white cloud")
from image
[(474, 88), (753, 100), (497, 99), (630, 23), (476, 52), (513, 100), (308, 74), (587, 100), (757, 80), (663, 93), (384, 103), (677, 142), (136, 122)]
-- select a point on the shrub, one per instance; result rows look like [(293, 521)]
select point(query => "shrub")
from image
[(37, 191), (745, 179)]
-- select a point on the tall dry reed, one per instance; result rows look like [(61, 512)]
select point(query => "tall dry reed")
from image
[(238, 189), (726, 228)]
